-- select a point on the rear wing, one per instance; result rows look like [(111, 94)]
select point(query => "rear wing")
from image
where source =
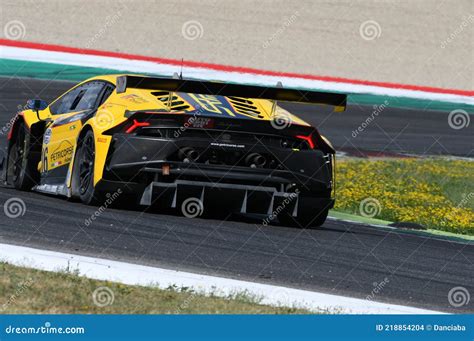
[(231, 89)]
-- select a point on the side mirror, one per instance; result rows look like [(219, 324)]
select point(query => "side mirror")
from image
[(36, 104)]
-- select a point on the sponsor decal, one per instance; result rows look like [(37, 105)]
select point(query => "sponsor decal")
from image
[(61, 155), (47, 136), (202, 122), (227, 145), (134, 98), (101, 139), (211, 105)]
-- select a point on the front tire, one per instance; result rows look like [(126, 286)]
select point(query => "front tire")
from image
[(22, 168), (83, 173)]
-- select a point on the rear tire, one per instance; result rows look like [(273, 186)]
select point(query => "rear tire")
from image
[(21, 166), (83, 173)]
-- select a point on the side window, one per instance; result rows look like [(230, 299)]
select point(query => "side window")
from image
[(63, 104), (109, 88), (81, 98), (88, 98)]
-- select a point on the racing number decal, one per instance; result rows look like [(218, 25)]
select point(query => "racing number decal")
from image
[(44, 161), (61, 156)]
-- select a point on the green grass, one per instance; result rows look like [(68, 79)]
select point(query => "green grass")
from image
[(436, 193), (29, 291)]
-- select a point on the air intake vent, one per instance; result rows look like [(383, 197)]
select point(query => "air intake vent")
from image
[(245, 106), (176, 102)]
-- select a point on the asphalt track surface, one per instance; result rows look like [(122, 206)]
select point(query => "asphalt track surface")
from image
[(342, 258)]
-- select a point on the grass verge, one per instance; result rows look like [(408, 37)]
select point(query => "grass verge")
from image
[(29, 291), (436, 193)]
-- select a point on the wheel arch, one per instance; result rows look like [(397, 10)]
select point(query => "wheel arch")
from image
[(32, 152), (70, 176), (100, 153), (18, 120)]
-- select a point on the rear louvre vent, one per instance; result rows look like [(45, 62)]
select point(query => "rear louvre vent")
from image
[(245, 106), (176, 102)]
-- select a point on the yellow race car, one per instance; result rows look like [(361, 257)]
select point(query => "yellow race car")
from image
[(169, 142)]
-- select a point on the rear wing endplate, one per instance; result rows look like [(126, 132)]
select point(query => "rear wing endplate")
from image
[(231, 89)]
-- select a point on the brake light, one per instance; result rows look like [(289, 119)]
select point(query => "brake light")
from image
[(136, 125), (308, 139)]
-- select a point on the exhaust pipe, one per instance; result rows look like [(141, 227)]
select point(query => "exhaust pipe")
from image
[(255, 160), (188, 154)]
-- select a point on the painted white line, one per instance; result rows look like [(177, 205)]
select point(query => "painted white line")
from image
[(132, 274), (138, 66)]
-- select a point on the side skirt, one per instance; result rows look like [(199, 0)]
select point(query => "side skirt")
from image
[(54, 182)]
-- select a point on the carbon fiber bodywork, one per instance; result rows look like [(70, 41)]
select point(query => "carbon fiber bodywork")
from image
[(241, 167)]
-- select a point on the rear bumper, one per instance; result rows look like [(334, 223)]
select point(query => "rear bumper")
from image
[(220, 196), (143, 159), (301, 181), (229, 197)]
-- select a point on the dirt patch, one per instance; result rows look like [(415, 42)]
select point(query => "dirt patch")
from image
[(425, 42)]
